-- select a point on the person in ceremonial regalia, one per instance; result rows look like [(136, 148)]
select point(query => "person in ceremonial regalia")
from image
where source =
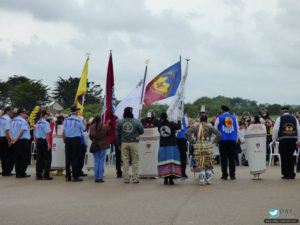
[(287, 131), (169, 165), (200, 137), (227, 124), (256, 137)]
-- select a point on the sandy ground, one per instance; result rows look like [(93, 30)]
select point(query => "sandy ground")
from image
[(241, 202)]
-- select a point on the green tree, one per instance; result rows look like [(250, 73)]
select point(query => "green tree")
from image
[(65, 91), (29, 94)]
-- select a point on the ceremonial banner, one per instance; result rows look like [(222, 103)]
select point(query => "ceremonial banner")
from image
[(132, 100), (81, 91), (164, 85), (109, 106), (148, 153), (176, 108), (58, 150)]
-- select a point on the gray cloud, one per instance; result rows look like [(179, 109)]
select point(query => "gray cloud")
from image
[(250, 61)]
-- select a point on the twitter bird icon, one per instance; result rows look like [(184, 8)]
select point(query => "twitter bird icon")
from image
[(273, 213)]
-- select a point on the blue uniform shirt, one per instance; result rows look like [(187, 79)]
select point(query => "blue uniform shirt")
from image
[(181, 133), (20, 124), (4, 125), (73, 127), (41, 128)]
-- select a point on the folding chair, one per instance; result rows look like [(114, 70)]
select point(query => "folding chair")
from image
[(276, 153)]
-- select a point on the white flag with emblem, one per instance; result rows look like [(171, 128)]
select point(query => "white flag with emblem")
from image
[(176, 108), (132, 100)]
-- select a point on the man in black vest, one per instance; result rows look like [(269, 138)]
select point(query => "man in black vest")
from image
[(287, 131)]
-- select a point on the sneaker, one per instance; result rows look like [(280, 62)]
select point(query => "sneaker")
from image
[(126, 182), (224, 178), (232, 178), (68, 179)]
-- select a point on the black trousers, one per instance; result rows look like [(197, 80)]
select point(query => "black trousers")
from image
[(182, 145), (20, 149), (118, 160), (286, 150), (73, 149), (82, 157), (44, 159), (227, 153), (7, 157)]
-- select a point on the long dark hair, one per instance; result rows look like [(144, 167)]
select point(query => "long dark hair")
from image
[(97, 121)]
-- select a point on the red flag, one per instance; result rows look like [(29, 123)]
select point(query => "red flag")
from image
[(109, 105)]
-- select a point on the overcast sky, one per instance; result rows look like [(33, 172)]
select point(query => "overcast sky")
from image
[(238, 48)]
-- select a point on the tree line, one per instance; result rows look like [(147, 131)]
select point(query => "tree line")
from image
[(20, 91)]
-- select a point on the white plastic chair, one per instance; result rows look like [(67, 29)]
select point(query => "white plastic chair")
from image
[(32, 152), (276, 153), (188, 152)]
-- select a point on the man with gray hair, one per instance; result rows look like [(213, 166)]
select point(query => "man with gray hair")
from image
[(287, 131)]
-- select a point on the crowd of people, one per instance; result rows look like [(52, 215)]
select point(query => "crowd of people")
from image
[(225, 139)]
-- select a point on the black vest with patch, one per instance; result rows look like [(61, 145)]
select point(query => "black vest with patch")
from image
[(288, 127)]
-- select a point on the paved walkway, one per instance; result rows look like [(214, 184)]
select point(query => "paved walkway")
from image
[(239, 202)]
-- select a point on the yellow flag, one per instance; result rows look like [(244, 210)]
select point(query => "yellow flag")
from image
[(82, 87)]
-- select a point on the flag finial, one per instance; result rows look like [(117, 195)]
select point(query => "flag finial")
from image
[(187, 60), (88, 54), (147, 61)]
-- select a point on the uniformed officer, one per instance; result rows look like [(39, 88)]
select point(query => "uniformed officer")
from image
[(287, 131), (6, 152), (42, 145), (72, 130), (21, 134)]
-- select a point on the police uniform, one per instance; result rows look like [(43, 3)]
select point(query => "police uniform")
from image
[(73, 128), (7, 157), (228, 126), (41, 129), (287, 131), (20, 148)]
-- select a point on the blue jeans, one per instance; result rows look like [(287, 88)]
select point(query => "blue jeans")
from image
[(99, 162)]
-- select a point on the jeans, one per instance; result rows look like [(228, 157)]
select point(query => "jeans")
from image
[(99, 162)]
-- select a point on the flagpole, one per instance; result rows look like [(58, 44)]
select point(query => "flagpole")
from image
[(143, 89)]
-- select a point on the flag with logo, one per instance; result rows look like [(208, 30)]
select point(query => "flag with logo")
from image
[(163, 85), (132, 100), (176, 108), (82, 87), (109, 104)]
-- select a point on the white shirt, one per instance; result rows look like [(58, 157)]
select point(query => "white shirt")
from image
[(277, 126)]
